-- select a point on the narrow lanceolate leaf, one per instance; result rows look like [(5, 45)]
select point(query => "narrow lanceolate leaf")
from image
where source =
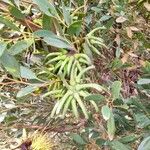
[(95, 106), (3, 46), (66, 105), (106, 112), (27, 73), (115, 89), (46, 7), (111, 127), (62, 101), (90, 85), (27, 90), (74, 108), (10, 64), (8, 23), (116, 145), (84, 71), (81, 104), (20, 46), (54, 109), (53, 40), (145, 144), (144, 81)]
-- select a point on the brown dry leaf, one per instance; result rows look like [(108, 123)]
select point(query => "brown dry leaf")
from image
[(111, 10), (130, 1), (117, 39), (125, 58), (101, 1), (121, 19), (142, 63), (148, 49), (129, 32), (133, 67), (135, 45), (147, 6), (132, 54), (133, 28)]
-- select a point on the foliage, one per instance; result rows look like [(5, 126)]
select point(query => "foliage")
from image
[(60, 59)]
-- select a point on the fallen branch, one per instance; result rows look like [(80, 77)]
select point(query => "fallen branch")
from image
[(60, 129)]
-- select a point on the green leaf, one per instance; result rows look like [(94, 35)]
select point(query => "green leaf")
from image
[(116, 64), (96, 9), (10, 119), (111, 127), (105, 17), (145, 144), (52, 39), (95, 97), (129, 138), (87, 50), (47, 22), (146, 68), (75, 28), (78, 139), (115, 89), (3, 46), (27, 90), (27, 73), (45, 33), (16, 13), (142, 120), (56, 42), (8, 23), (106, 112), (100, 142), (144, 81), (10, 64), (118, 52), (46, 7), (20, 46), (66, 14), (116, 145), (14, 2), (137, 103)]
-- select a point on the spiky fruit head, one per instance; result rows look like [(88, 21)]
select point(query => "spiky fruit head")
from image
[(41, 142)]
